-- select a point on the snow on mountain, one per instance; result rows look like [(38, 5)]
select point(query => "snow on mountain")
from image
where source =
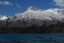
[(35, 16), (53, 14), (33, 8), (3, 17), (45, 15)]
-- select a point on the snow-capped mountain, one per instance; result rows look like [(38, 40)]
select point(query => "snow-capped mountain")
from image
[(45, 15), (34, 20), (37, 16)]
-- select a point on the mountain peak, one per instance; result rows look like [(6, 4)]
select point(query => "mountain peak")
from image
[(33, 8)]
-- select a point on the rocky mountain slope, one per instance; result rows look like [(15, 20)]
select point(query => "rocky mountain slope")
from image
[(34, 20)]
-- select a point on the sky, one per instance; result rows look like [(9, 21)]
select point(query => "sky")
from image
[(12, 7)]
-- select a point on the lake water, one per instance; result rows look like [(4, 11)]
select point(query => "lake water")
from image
[(31, 38)]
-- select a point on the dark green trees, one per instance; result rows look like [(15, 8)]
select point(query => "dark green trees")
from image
[(31, 26)]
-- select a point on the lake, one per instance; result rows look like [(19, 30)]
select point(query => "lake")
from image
[(31, 38)]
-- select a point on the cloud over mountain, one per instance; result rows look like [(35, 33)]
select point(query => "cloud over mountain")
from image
[(59, 3), (17, 5)]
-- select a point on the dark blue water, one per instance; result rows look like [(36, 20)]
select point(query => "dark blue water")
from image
[(31, 38)]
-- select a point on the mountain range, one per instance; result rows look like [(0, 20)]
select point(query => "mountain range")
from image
[(52, 15), (34, 18)]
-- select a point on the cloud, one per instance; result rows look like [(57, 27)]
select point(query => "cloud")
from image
[(59, 3), (5, 3), (17, 5), (3, 17)]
